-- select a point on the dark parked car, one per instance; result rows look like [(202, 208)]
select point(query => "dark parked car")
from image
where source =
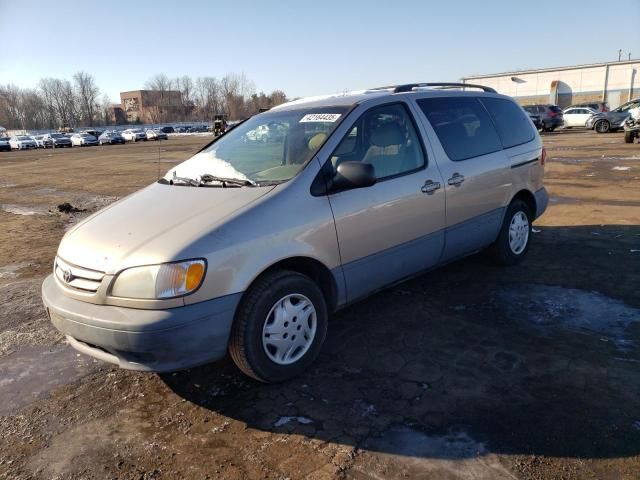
[(604, 122), (550, 115), (110, 137), (56, 140), (167, 130), (4, 144), (536, 121), (597, 106), (95, 133)]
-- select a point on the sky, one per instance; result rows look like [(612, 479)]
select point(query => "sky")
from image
[(305, 48)]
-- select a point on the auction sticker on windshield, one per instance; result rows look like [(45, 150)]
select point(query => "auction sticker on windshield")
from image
[(320, 117)]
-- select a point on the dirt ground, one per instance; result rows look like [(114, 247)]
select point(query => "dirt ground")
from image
[(468, 372)]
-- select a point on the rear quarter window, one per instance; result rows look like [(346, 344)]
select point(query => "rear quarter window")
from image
[(462, 125), (511, 122)]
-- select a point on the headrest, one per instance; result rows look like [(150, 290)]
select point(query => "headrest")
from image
[(317, 140), (387, 134)]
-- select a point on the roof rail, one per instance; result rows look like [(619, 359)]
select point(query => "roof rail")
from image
[(440, 85)]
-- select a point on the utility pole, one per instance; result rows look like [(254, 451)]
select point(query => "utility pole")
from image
[(619, 54), (629, 55)]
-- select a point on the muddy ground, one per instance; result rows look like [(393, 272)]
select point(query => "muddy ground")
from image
[(468, 372)]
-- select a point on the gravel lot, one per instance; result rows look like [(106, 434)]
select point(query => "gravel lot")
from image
[(467, 372)]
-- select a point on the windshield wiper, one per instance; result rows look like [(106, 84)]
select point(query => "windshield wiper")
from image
[(184, 180), (227, 182), (206, 179)]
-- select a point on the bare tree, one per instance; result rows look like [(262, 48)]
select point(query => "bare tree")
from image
[(47, 93), (208, 97), (160, 85), (60, 98), (105, 106), (236, 89), (11, 100), (185, 85), (87, 94), (277, 97)]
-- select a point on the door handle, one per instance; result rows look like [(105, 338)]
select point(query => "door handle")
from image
[(456, 179), (430, 186)]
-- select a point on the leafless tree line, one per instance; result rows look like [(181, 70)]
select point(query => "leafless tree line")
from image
[(60, 102), (232, 95), (54, 103)]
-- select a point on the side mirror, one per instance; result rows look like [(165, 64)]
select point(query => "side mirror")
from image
[(353, 175)]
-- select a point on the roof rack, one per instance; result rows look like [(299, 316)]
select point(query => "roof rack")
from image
[(440, 85)]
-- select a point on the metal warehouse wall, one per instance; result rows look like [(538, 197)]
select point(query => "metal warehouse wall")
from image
[(615, 83)]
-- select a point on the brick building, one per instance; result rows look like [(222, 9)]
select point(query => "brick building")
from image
[(151, 106)]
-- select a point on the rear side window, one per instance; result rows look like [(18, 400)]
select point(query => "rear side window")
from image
[(511, 122), (463, 126)]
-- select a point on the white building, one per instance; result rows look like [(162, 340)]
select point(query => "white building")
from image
[(613, 82)]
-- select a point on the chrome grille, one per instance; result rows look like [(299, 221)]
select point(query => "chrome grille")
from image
[(77, 277)]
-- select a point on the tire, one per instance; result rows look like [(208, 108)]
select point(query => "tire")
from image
[(602, 126), (249, 343), (629, 136), (505, 250)]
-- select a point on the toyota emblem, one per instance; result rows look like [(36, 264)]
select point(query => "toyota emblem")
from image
[(67, 276)]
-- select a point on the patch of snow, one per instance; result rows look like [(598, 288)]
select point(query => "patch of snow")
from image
[(23, 209), (621, 169), (550, 307), (11, 271), (284, 420)]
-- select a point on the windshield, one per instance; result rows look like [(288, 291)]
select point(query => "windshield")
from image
[(23, 137), (628, 106), (271, 147), (57, 135)]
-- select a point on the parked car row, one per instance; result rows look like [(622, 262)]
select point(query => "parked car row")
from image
[(84, 138), (592, 115)]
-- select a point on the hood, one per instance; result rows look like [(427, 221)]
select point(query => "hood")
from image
[(155, 225)]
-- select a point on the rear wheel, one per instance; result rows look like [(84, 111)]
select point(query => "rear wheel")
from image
[(602, 126), (512, 244), (279, 328)]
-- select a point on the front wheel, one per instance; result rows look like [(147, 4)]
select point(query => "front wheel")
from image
[(280, 327), (603, 126), (513, 240)]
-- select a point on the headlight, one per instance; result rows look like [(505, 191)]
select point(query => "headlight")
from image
[(167, 280)]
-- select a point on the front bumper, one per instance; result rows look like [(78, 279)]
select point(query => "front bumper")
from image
[(149, 340)]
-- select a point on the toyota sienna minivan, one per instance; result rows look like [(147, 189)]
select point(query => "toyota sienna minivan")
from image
[(251, 244)]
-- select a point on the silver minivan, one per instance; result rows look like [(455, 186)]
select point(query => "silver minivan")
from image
[(251, 244)]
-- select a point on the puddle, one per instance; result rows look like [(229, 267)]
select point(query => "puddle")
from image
[(547, 307), (32, 372), (24, 209), (11, 271)]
